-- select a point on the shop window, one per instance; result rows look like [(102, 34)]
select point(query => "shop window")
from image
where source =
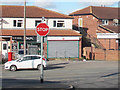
[(105, 22), (17, 23), (4, 46), (37, 22), (59, 23)]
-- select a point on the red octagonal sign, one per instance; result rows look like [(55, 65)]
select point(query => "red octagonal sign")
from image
[(42, 29)]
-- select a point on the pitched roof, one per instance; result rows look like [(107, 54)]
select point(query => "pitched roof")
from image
[(14, 32), (99, 12), (6, 32), (112, 29), (31, 12)]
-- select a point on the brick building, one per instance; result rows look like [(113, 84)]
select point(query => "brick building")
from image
[(99, 26), (60, 25)]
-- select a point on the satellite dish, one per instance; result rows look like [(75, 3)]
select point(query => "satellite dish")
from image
[(115, 20)]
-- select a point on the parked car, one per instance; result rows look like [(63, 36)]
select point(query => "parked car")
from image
[(26, 62)]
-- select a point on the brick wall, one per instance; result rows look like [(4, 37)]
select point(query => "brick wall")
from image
[(45, 49), (109, 43), (89, 22), (100, 54)]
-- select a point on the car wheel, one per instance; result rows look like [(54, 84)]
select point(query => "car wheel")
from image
[(39, 67), (13, 68)]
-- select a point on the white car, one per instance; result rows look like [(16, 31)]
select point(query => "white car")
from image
[(26, 62)]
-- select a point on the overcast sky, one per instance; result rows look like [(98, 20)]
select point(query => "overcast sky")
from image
[(63, 6)]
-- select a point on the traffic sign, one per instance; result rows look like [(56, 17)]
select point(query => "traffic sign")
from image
[(42, 29)]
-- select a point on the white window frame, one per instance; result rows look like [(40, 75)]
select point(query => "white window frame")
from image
[(36, 22), (105, 22), (59, 22), (17, 21), (80, 22)]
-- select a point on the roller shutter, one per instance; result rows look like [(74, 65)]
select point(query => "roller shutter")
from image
[(63, 49)]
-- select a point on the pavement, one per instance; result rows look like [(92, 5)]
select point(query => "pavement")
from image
[(62, 74)]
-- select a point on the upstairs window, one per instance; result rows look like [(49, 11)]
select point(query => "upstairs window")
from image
[(17, 23), (54, 23), (37, 22), (105, 22), (80, 22), (59, 23)]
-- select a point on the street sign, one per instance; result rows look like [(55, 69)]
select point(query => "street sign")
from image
[(42, 29)]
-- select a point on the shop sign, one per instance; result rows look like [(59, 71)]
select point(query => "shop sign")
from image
[(28, 38), (63, 38)]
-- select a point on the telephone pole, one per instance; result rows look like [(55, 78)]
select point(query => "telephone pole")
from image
[(25, 27)]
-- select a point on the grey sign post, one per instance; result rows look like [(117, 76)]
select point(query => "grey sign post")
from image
[(42, 29), (42, 73)]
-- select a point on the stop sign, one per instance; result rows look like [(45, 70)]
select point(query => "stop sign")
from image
[(42, 29)]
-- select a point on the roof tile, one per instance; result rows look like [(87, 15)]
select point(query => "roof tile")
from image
[(99, 12), (6, 32), (31, 12)]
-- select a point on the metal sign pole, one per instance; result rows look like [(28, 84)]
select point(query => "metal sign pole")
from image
[(42, 73)]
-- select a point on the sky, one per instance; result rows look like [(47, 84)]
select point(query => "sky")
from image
[(63, 6)]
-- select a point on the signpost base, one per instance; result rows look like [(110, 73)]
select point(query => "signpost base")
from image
[(41, 80)]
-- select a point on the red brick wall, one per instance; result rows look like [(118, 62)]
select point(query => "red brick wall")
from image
[(100, 30), (109, 43), (89, 22), (112, 55), (45, 49), (100, 54)]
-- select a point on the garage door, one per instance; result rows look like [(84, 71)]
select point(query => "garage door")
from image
[(63, 49)]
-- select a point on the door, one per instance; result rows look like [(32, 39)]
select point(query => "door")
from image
[(5, 49), (36, 61), (25, 63), (63, 49)]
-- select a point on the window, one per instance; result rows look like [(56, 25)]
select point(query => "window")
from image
[(37, 22), (54, 23), (80, 22), (4, 46), (17, 23), (14, 23), (59, 23), (35, 57), (105, 22), (27, 58), (119, 44)]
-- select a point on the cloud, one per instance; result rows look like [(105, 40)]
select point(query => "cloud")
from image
[(14, 2), (99, 2), (40, 3), (44, 3)]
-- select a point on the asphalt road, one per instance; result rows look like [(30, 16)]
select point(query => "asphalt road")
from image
[(61, 74)]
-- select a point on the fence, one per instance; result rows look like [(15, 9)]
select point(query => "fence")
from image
[(101, 54)]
